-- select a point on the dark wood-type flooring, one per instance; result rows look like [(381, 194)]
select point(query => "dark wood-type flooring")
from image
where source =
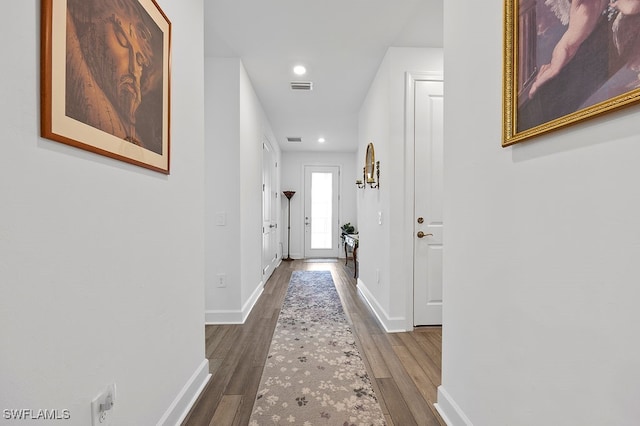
[(404, 367)]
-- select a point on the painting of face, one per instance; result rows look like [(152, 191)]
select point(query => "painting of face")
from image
[(118, 50), (127, 47), (105, 78)]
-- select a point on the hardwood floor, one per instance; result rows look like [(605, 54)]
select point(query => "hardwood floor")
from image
[(405, 367)]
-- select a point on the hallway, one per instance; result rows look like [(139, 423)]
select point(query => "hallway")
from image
[(405, 367)]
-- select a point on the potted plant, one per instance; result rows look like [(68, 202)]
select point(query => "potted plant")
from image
[(348, 228)]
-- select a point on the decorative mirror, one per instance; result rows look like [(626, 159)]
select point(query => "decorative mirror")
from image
[(371, 168), (370, 164)]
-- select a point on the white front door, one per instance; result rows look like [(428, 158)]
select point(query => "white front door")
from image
[(428, 220), (321, 222), (269, 222)]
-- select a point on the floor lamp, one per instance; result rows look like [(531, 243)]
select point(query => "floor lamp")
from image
[(289, 194)]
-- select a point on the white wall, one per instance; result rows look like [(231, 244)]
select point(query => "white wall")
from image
[(542, 246), (383, 251), (235, 131), (101, 262), (222, 130), (254, 130), (293, 180)]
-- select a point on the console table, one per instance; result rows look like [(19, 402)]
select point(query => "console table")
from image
[(351, 240)]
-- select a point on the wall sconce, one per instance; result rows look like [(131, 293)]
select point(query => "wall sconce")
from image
[(375, 183), (359, 182)]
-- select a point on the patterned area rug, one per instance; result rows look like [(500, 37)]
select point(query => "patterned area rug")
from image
[(314, 374)]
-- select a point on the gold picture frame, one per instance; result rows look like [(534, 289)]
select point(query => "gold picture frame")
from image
[(370, 164), (105, 78), (542, 93), (371, 168)]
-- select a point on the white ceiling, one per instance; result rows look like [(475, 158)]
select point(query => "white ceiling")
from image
[(341, 43)]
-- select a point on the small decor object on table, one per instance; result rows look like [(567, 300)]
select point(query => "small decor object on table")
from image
[(348, 228)]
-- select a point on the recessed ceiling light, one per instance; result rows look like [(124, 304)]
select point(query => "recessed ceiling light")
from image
[(299, 70), (321, 140)]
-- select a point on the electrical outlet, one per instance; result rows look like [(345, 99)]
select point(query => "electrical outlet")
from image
[(222, 280), (102, 407)]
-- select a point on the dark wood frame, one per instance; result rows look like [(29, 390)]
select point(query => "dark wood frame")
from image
[(519, 72), (55, 125)]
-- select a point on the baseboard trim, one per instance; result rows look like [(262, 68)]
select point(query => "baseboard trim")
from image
[(237, 316), (450, 412), (180, 407), (390, 325), (250, 303), (222, 317)]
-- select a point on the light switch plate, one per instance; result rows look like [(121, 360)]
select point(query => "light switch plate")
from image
[(221, 219)]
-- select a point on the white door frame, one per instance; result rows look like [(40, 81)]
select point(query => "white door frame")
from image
[(409, 177), (270, 232), (335, 251)]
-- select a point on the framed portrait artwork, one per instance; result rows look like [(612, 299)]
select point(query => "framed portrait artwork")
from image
[(566, 61), (105, 78)]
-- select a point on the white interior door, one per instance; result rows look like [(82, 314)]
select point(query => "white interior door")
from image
[(321, 221), (428, 220), (269, 222)]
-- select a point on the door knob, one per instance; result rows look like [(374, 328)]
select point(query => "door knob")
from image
[(422, 234)]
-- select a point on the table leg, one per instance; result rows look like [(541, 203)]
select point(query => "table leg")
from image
[(355, 262)]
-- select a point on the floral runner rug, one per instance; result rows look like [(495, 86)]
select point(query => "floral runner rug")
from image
[(314, 374)]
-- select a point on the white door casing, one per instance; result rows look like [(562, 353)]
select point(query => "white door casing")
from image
[(332, 221), (427, 117), (269, 220)]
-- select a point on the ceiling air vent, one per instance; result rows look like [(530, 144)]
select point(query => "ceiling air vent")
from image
[(301, 85), (290, 139)]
